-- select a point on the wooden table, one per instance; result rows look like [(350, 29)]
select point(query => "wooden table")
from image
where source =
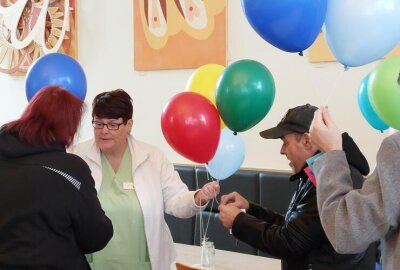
[(225, 260)]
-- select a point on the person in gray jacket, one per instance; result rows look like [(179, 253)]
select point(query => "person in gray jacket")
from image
[(354, 218)]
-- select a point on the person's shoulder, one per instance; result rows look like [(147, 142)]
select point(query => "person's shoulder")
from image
[(66, 164), (391, 142), (390, 147), (394, 138), (144, 146), (81, 147), (75, 161)]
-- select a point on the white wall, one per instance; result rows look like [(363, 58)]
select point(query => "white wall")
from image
[(105, 38)]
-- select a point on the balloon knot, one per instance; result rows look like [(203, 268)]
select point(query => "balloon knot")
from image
[(346, 68), (301, 53), (235, 133)]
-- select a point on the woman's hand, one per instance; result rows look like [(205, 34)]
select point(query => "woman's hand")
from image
[(208, 192)]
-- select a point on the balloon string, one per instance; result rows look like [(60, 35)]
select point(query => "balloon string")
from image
[(209, 178), (202, 231), (201, 228), (333, 88)]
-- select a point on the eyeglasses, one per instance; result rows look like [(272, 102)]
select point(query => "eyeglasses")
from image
[(110, 126)]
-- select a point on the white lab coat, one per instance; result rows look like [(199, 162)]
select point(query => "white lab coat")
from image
[(159, 189)]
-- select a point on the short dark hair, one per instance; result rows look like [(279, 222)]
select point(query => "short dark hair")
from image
[(113, 104), (52, 115)]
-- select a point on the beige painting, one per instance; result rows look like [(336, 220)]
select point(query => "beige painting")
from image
[(174, 34)]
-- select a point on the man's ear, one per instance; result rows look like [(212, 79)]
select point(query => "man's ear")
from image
[(308, 144), (307, 140)]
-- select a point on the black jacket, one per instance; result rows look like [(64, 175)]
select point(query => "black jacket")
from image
[(49, 212), (298, 237)]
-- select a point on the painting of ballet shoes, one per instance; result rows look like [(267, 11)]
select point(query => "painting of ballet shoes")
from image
[(175, 34), (156, 17), (194, 12)]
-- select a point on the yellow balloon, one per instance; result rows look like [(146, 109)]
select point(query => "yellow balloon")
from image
[(204, 81)]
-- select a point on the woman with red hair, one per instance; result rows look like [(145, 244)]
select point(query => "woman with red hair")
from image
[(49, 212)]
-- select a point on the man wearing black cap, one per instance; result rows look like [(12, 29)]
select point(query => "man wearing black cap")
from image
[(296, 237)]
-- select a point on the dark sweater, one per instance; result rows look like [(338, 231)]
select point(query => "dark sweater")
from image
[(49, 212)]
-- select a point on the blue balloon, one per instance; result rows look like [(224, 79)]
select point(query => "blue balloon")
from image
[(359, 32), (56, 69), (228, 157), (290, 25), (366, 108)]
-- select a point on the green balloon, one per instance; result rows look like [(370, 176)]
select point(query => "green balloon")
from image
[(244, 94), (384, 91)]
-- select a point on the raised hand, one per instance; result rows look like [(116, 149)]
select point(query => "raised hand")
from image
[(323, 131)]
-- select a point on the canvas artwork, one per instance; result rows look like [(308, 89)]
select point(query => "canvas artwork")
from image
[(174, 34), (320, 52), (32, 28)]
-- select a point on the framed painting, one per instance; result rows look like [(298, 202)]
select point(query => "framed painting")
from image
[(176, 34), (32, 28)]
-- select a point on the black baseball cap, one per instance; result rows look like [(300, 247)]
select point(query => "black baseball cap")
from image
[(296, 120)]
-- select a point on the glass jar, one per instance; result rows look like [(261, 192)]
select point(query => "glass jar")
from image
[(207, 254)]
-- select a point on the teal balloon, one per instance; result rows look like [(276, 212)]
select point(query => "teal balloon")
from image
[(228, 157), (244, 95), (366, 108), (384, 90)]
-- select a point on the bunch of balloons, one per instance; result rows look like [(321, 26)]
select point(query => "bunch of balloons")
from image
[(379, 95), (238, 97), (56, 69), (357, 32)]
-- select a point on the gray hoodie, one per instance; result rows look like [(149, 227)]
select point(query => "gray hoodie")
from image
[(354, 218)]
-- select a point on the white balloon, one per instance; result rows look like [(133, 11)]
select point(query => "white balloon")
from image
[(361, 31), (228, 157)]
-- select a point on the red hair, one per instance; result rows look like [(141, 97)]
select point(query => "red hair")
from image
[(52, 115)]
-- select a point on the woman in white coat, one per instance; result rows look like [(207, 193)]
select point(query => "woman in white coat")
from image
[(136, 184)]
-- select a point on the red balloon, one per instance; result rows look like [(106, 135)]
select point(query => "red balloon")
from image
[(190, 124)]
